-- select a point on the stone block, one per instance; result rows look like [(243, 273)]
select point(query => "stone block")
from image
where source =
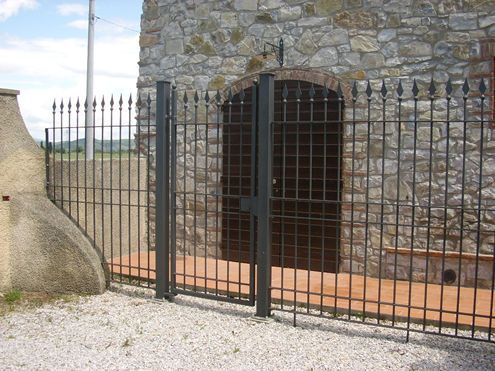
[(324, 57), (357, 20), (335, 37), (217, 82), (365, 44), (245, 5), (174, 46), (312, 22), (416, 49), (208, 25), (306, 45), (207, 49), (247, 46), (229, 19), (271, 4), (463, 21), (328, 7), (373, 60), (387, 35), (234, 65), (147, 40), (289, 14), (167, 62), (264, 17), (487, 21), (236, 35), (309, 9)]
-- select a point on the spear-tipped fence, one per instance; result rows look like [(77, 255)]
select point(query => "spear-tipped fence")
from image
[(109, 196), (380, 199)]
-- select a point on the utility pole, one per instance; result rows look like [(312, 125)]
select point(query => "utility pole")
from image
[(89, 82)]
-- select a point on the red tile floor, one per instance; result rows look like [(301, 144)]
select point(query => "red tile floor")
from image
[(351, 289)]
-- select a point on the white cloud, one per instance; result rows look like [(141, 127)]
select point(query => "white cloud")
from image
[(69, 9), (80, 24), (44, 69), (8, 8)]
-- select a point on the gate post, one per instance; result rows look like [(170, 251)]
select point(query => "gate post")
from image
[(265, 119), (162, 242)]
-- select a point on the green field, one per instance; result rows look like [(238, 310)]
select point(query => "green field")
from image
[(98, 155)]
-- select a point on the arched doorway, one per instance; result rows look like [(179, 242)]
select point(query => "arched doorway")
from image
[(307, 176)]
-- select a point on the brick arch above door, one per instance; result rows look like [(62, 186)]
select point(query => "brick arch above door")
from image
[(311, 75)]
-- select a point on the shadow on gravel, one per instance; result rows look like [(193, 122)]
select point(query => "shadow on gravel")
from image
[(459, 350)]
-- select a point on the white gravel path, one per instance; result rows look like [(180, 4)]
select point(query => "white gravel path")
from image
[(126, 329)]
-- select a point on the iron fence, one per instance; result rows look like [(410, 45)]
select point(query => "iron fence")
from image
[(361, 202), (408, 209), (109, 196)]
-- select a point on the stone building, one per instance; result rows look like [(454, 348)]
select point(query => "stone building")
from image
[(214, 45)]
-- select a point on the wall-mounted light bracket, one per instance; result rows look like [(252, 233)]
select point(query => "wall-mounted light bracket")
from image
[(274, 51)]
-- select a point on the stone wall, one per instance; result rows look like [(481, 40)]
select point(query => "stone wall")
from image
[(210, 45)]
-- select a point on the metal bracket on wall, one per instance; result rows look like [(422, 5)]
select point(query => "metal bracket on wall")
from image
[(275, 51)]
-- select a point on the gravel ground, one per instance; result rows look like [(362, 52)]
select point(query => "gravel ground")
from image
[(126, 329)]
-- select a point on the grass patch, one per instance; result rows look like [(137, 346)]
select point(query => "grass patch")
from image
[(12, 296), (17, 300)]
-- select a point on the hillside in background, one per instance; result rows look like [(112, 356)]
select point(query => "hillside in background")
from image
[(107, 145)]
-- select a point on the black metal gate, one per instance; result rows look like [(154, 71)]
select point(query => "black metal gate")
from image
[(192, 128), (327, 203), (375, 207)]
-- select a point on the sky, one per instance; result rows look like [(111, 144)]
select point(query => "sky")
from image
[(43, 53)]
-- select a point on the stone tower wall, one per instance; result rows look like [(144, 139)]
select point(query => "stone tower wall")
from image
[(211, 45)]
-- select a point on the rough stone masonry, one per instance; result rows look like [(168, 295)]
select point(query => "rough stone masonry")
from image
[(211, 45)]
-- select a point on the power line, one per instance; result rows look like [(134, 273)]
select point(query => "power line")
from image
[(116, 24)]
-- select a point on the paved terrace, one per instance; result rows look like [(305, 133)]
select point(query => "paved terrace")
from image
[(221, 276)]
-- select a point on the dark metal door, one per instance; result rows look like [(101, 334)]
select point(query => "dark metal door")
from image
[(306, 169), (307, 180)]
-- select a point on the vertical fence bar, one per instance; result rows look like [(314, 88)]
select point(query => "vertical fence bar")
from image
[(93, 168), (52, 149), (102, 179), (195, 195), (69, 183), (130, 231), (162, 188), (77, 160), (296, 229), (111, 188), (173, 180), (47, 161), (61, 154), (462, 242), (445, 227), (430, 172), (120, 187), (265, 119), (252, 189), (138, 203), (148, 185)]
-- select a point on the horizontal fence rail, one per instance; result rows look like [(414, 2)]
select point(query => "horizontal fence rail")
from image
[(109, 196)]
